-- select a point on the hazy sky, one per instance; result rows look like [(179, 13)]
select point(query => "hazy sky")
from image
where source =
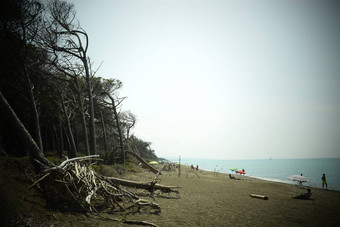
[(223, 79)]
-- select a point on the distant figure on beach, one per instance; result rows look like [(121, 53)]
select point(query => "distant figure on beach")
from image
[(232, 177), (324, 181), (197, 167), (192, 166), (300, 182), (305, 195)]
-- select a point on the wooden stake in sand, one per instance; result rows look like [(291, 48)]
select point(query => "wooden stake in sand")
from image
[(259, 196), (179, 166)]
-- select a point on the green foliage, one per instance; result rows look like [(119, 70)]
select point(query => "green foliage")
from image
[(96, 168), (142, 148), (116, 170), (133, 167), (111, 171), (53, 157)]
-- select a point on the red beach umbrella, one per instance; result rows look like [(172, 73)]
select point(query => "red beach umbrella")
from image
[(240, 172)]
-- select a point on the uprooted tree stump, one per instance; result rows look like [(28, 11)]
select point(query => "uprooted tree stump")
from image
[(75, 185)]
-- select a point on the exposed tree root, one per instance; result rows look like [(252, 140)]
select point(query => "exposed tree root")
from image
[(75, 185)]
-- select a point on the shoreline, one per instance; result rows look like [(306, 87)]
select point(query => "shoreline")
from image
[(267, 179), (278, 170), (283, 182), (215, 200), (209, 199)]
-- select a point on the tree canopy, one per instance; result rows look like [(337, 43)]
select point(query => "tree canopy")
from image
[(47, 79)]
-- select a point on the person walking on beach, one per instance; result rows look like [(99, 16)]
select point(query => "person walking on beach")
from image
[(324, 181)]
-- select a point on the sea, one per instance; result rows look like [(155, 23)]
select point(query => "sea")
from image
[(278, 170)]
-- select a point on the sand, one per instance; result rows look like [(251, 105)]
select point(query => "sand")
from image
[(216, 200)]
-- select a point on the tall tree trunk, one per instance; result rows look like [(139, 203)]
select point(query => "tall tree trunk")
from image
[(93, 150), (69, 153), (61, 137), (24, 54), (73, 149), (57, 140), (119, 129), (82, 115), (104, 131), (36, 128), (127, 133), (25, 136), (53, 141), (75, 133), (46, 140)]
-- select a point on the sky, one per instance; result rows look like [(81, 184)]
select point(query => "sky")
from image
[(223, 79)]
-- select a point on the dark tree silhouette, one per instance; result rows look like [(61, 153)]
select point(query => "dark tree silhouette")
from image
[(68, 43)]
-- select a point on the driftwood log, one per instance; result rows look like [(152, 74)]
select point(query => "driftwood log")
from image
[(149, 186), (259, 196)]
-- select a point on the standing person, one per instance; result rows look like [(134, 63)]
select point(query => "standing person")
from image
[(324, 181), (300, 182)]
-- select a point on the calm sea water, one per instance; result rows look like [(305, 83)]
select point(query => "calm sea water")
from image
[(278, 169)]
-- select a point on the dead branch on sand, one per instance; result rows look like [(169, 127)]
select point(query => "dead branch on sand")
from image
[(191, 171), (75, 185), (259, 196)]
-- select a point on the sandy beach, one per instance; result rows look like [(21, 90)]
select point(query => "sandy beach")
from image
[(216, 200)]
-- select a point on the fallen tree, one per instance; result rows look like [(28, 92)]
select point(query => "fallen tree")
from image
[(149, 186), (149, 167), (35, 153), (75, 185)]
